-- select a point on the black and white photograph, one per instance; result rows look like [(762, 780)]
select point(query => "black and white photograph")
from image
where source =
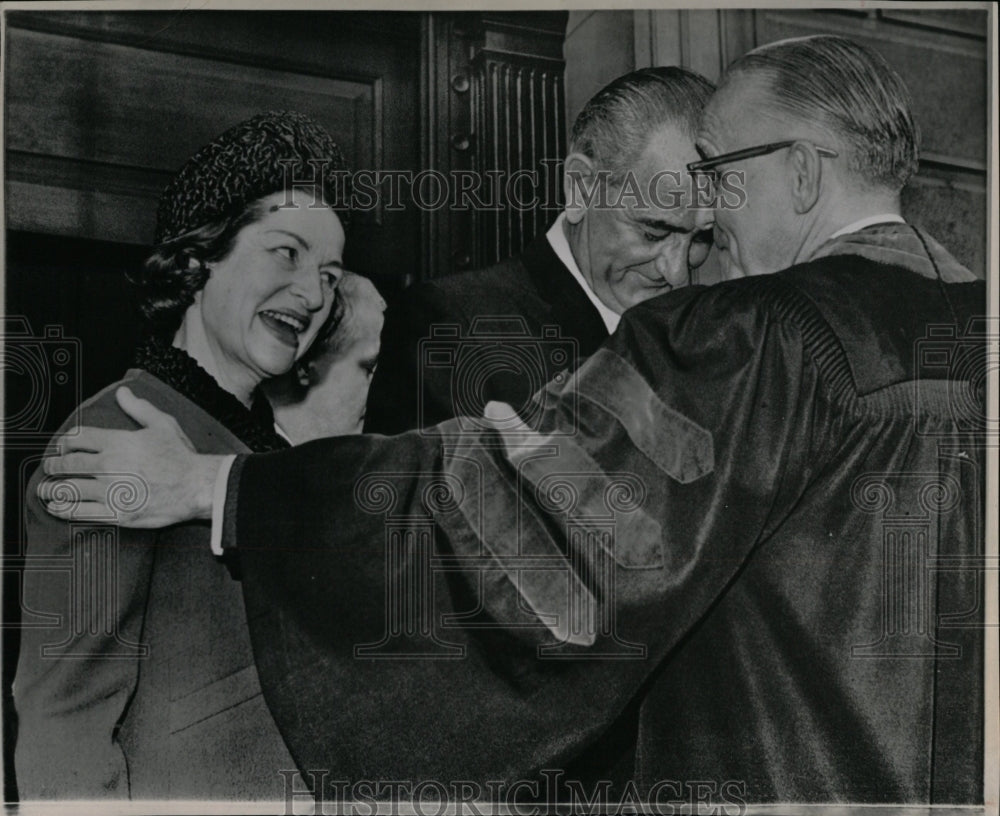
[(500, 408)]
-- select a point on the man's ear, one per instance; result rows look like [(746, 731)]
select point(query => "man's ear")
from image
[(807, 174), (579, 175)]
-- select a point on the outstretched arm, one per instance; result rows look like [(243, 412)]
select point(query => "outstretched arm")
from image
[(579, 553), (177, 483)]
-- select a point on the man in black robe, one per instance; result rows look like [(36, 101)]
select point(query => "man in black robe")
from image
[(453, 344), (756, 512)]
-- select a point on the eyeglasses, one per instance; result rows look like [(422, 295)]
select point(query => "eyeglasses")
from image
[(709, 165)]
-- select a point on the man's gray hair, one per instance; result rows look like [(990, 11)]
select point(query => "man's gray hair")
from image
[(615, 126), (849, 89)]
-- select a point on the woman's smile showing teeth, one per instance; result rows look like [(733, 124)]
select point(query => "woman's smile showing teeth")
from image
[(267, 299), (286, 326)]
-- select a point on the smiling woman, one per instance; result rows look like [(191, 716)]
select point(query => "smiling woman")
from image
[(265, 301), (147, 688)]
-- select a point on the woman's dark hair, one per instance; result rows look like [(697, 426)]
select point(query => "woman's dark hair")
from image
[(220, 190), (168, 280)]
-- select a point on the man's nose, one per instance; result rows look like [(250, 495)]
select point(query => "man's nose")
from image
[(704, 218), (671, 264)]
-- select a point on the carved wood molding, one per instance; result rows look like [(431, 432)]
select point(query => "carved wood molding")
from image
[(495, 103)]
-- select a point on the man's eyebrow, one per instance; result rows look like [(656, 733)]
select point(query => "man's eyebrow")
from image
[(657, 223)]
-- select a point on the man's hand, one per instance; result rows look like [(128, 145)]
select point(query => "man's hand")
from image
[(147, 478)]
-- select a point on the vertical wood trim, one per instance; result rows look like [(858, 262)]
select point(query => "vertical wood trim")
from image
[(738, 34), (503, 239), (667, 34), (689, 38), (378, 125), (684, 38), (522, 159), (558, 144), (477, 102), (645, 48), (506, 120), (702, 50), (518, 94)]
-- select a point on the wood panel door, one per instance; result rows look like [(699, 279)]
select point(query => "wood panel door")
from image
[(102, 108)]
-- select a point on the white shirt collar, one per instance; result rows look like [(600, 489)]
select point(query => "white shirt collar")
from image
[(560, 245), (860, 224)]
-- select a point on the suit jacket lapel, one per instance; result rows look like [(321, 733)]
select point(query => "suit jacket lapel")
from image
[(568, 304)]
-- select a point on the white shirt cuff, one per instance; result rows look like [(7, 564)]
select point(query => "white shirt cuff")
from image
[(219, 503)]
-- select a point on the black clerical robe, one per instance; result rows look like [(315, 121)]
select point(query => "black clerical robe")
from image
[(756, 513)]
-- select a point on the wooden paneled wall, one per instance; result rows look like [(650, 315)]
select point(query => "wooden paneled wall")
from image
[(518, 117), (102, 108)]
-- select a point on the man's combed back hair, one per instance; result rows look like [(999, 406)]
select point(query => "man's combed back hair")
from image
[(615, 125), (850, 90)]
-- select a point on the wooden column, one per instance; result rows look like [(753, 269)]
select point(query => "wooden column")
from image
[(495, 107)]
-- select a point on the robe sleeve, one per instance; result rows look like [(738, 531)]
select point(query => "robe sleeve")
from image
[(588, 547)]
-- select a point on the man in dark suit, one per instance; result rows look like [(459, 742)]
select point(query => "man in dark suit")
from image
[(451, 345)]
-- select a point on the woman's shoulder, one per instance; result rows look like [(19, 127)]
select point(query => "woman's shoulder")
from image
[(99, 411), (207, 433), (102, 410)]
